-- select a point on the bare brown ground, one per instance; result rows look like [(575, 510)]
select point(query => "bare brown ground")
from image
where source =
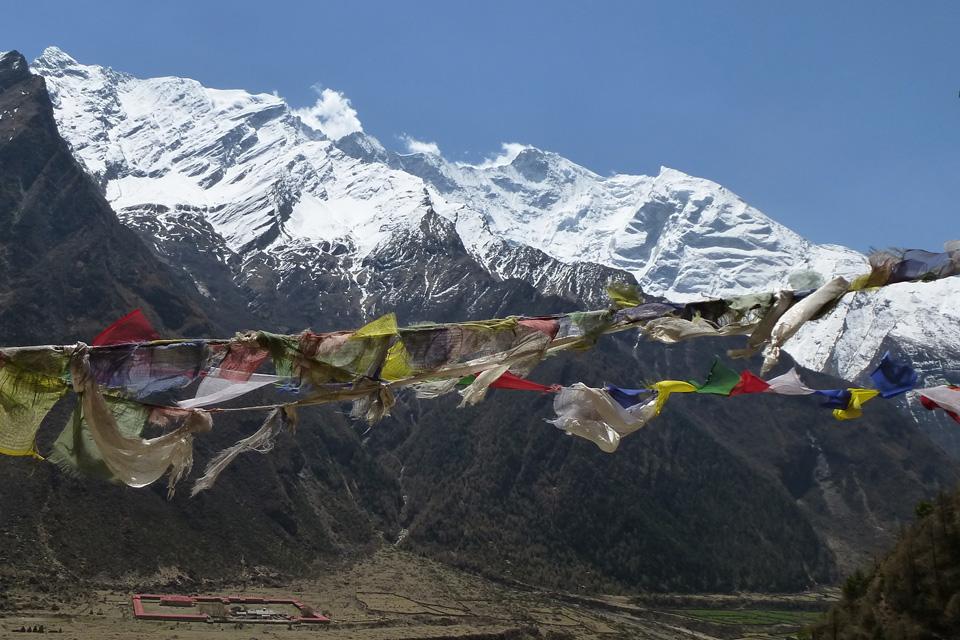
[(391, 595)]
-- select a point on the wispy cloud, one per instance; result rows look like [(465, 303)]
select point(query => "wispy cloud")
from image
[(331, 113), (419, 146), (508, 153)]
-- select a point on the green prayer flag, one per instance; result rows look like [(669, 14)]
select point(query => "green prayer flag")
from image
[(624, 295), (29, 387), (590, 326), (75, 452), (720, 381)]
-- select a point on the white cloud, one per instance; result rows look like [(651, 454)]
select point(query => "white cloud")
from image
[(508, 153), (419, 146), (331, 113)]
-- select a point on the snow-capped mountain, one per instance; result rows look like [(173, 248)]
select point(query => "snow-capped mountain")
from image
[(263, 179), (244, 194), (681, 237)]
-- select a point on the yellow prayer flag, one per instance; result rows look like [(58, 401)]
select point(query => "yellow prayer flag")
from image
[(665, 387), (385, 325), (25, 399), (858, 397), (397, 364)]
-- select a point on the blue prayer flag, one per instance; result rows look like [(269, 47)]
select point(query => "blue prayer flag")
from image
[(836, 398), (891, 378), (626, 398)]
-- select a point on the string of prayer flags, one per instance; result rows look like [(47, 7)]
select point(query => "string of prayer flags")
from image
[(130, 378), (585, 412)]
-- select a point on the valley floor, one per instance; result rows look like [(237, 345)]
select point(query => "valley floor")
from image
[(394, 595)]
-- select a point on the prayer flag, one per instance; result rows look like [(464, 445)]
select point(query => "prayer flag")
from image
[(594, 415), (720, 381), (626, 398), (788, 384), (665, 387), (75, 452), (854, 409), (892, 378), (511, 381), (624, 295), (942, 397), (133, 327), (30, 384), (221, 386), (835, 398), (749, 383), (548, 326)]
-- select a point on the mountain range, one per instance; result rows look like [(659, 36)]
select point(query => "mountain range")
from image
[(244, 214)]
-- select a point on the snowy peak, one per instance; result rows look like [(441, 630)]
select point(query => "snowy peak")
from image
[(259, 175), (693, 236), (680, 236), (55, 60), (262, 178)]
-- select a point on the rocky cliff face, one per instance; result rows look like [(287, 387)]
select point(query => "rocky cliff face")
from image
[(65, 258)]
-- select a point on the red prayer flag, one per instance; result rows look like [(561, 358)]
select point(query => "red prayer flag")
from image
[(510, 381), (930, 405), (241, 361), (548, 326), (749, 383), (133, 327)]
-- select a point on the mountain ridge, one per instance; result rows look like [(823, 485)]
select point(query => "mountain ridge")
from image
[(589, 218)]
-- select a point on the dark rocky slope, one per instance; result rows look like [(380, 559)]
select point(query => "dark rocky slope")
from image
[(717, 494), (67, 264)]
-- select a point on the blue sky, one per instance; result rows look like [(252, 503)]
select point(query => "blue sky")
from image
[(839, 119)]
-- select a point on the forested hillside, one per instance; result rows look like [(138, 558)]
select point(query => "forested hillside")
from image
[(912, 593)]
